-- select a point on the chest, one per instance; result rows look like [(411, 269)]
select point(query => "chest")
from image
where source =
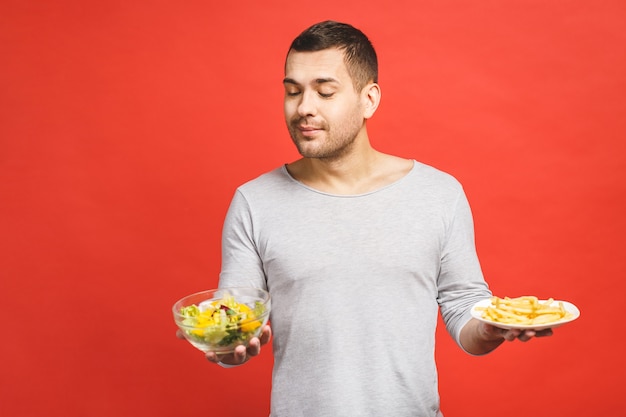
[(351, 237)]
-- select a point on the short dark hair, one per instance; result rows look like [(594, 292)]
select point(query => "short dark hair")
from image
[(359, 54)]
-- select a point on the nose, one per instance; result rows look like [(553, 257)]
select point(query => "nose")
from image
[(307, 105)]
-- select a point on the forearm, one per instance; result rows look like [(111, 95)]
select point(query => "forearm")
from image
[(478, 339)]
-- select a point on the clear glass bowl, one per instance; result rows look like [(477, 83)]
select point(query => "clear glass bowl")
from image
[(219, 320)]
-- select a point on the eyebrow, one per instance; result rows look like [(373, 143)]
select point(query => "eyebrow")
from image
[(317, 81)]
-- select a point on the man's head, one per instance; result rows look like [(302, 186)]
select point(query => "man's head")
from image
[(330, 90), (359, 54)]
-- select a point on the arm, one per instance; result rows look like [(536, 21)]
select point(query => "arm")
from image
[(480, 338), (241, 267), (461, 284)]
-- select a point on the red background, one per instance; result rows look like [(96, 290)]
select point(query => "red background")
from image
[(125, 127)]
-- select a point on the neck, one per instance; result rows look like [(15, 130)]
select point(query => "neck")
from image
[(350, 176), (347, 170)]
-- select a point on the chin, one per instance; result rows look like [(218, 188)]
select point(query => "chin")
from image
[(306, 148)]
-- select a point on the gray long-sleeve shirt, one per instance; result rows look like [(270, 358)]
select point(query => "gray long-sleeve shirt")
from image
[(356, 285)]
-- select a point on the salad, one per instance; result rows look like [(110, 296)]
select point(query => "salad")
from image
[(221, 322)]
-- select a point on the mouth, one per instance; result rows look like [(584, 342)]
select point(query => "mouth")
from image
[(308, 130)]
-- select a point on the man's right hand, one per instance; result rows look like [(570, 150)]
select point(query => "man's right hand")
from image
[(242, 354)]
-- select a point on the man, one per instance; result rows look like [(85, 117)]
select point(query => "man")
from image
[(359, 250)]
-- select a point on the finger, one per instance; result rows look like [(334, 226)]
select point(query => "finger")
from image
[(544, 333), (212, 357), (526, 335), (240, 355), (490, 332), (254, 347), (511, 334), (529, 334), (180, 334), (266, 335)]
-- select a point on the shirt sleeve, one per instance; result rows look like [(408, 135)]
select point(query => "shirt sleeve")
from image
[(460, 283), (241, 264)]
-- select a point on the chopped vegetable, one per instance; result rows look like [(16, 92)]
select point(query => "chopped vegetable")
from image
[(222, 322)]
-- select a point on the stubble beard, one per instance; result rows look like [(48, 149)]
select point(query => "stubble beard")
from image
[(334, 145)]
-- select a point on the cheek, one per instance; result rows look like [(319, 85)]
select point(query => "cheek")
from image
[(347, 116), (289, 109)]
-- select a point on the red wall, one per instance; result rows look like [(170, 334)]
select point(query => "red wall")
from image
[(125, 127)]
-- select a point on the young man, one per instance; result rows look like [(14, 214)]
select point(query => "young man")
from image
[(359, 250)]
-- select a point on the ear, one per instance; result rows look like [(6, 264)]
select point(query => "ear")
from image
[(371, 99)]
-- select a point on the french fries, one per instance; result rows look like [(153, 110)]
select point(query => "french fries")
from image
[(526, 310)]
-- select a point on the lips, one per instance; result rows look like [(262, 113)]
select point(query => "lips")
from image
[(309, 131), (307, 128)]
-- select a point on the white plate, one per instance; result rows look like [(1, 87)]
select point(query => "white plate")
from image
[(569, 307)]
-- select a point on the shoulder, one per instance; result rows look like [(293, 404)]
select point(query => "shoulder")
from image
[(274, 178), (272, 187), (429, 175), (398, 168)]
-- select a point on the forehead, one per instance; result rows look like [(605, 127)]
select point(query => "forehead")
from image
[(304, 67)]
